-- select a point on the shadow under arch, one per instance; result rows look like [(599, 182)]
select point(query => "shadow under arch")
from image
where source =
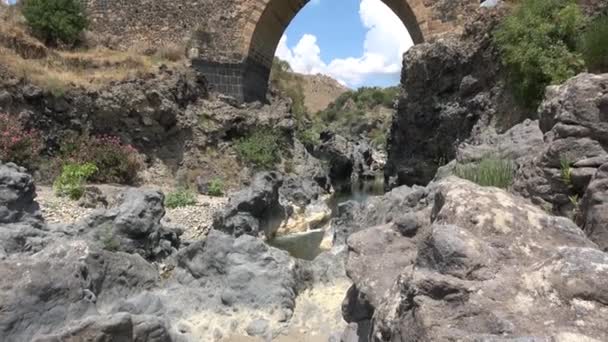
[(266, 27)]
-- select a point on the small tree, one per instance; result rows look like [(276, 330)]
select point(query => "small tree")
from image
[(538, 45), (55, 20)]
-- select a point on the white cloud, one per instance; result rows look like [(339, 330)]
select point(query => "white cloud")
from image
[(385, 42)]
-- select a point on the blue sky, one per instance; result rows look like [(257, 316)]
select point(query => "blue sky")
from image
[(358, 42)]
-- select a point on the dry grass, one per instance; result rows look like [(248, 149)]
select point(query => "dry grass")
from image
[(57, 70)]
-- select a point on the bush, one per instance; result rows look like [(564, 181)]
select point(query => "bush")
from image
[(17, 144), (538, 46), (180, 198), (489, 171), (594, 45), (72, 179), (262, 148), (117, 163), (216, 187), (55, 20)]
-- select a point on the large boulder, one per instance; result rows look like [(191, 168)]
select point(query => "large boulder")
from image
[(17, 196), (487, 266), (255, 210), (133, 225), (574, 118), (65, 282), (22, 228)]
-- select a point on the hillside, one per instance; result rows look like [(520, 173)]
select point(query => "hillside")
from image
[(320, 91)]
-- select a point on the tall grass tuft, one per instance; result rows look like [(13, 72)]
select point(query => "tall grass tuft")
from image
[(490, 171)]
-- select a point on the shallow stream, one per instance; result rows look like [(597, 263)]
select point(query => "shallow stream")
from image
[(308, 245)]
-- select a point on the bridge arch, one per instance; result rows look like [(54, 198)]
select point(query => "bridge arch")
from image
[(265, 22)]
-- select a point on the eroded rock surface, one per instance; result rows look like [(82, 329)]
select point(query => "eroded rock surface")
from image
[(486, 266), (574, 117)]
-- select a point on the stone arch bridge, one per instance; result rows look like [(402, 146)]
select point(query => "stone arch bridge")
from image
[(235, 40)]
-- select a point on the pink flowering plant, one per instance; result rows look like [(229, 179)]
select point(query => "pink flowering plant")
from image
[(116, 162), (17, 144)]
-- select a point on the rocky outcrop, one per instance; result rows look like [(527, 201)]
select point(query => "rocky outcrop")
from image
[(151, 113), (594, 208), (133, 225), (574, 118), (22, 228), (77, 282), (255, 210), (485, 265), (348, 161), (451, 91)]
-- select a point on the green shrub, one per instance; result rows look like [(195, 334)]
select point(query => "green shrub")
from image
[(216, 187), (489, 171), (117, 162), (180, 198), (309, 137), (72, 179), (262, 148), (538, 46), (594, 45), (55, 20)]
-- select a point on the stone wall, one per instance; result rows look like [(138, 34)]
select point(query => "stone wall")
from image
[(234, 41)]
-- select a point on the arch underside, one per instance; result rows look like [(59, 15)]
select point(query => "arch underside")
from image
[(266, 22), (271, 25)]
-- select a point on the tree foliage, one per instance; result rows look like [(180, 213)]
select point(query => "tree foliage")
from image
[(55, 20), (594, 44), (538, 44)]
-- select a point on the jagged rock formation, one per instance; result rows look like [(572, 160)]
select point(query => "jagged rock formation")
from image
[(482, 265), (451, 90), (61, 282), (574, 118), (254, 210)]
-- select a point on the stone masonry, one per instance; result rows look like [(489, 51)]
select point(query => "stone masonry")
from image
[(234, 41)]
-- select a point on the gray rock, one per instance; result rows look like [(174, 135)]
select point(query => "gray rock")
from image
[(133, 226), (66, 282), (594, 208), (17, 194), (574, 121), (488, 266), (93, 198), (446, 99), (254, 210)]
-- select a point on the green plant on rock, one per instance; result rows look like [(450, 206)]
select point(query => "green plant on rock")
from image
[(594, 45), (72, 179), (538, 46), (262, 148), (490, 171), (216, 187), (55, 20), (566, 171), (180, 198)]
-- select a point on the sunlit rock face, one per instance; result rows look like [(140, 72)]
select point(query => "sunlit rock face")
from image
[(486, 266)]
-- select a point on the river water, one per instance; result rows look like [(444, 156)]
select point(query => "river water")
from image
[(307, 245)]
